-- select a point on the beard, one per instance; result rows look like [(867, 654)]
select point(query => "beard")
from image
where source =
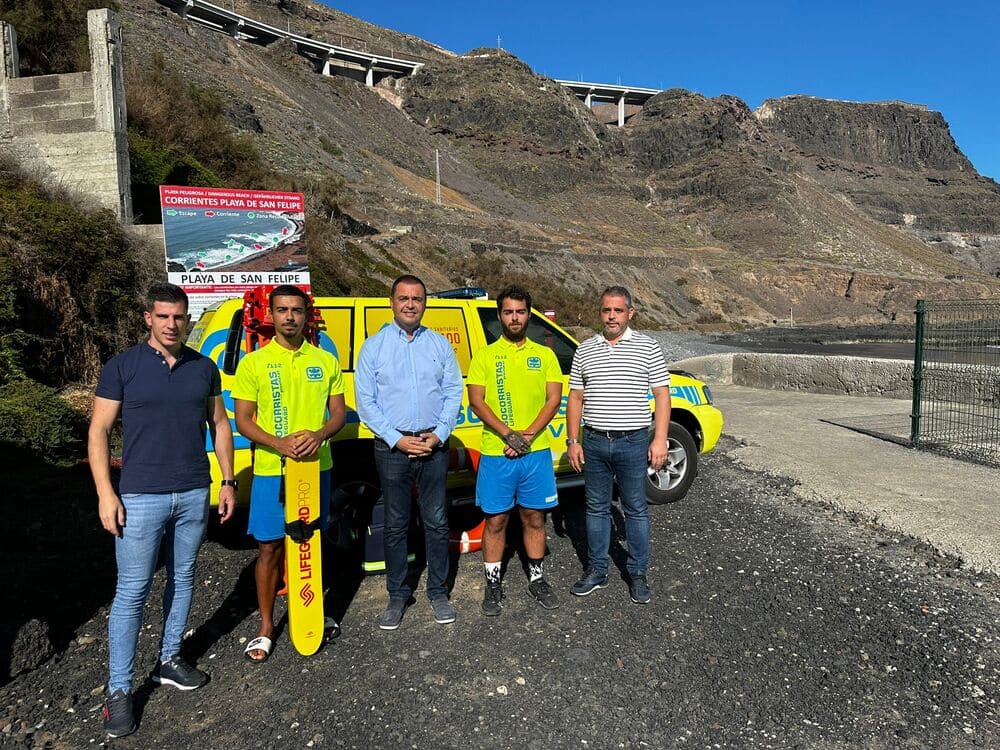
[(516, 336)]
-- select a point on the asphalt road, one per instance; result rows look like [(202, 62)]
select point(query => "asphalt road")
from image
[(775, 623)]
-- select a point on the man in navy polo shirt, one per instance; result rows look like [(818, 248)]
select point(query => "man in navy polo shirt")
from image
[(166, 394)]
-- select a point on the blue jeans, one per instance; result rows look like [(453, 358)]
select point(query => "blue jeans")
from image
[(624, 459), (397, 474), (178, 520)]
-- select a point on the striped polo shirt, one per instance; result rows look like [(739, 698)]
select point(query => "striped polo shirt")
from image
[(617, 380)]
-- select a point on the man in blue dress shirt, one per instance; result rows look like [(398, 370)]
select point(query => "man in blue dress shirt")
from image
[(408, 390)]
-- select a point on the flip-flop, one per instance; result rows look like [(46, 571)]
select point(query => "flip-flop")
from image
[(260, 643)]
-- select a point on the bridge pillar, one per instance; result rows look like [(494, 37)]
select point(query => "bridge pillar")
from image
[(588, 99), (183, 10), (621, 110), (326, 67), (233, 29), (370, 74)]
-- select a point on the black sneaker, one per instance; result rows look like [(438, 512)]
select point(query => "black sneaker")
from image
[(393, 615), (179, 674), (492, 599), (591, 581), (118, 718), (638, 589), (541, 590)]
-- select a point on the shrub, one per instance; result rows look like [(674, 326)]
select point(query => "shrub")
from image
[(51, 34), (70, 281), (35, 422)]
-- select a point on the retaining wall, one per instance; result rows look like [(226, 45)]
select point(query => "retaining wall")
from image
[(70, 128), (852, 376)]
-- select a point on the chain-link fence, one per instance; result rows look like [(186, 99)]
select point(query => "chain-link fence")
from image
[(956, 379)]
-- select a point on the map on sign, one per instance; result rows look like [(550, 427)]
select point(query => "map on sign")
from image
[(220, 242)]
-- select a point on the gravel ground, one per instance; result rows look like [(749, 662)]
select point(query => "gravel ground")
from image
[(773, 625)]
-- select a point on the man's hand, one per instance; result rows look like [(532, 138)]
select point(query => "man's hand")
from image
[(517, 442), (112, 513), (227, 502), (288, 446), (574, 453), (418, 446), (657, 454), (307, 443)]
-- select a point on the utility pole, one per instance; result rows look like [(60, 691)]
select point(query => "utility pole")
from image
[(498, 41), (437, 176)]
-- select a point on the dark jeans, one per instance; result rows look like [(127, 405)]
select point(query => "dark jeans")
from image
[(397, 472), (623, 459)]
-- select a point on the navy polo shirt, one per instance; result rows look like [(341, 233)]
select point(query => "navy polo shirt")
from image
[(164, 417)]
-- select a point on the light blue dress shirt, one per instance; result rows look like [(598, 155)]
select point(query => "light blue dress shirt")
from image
[(407, 384)]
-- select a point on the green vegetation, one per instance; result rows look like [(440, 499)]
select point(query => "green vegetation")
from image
[(330, 147), (179, 135), (52, 34), (36, 423), (70, 282)]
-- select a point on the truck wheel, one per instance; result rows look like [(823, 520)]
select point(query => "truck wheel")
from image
[(672, 482)]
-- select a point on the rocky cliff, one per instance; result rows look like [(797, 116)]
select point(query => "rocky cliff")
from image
[(716, 215)]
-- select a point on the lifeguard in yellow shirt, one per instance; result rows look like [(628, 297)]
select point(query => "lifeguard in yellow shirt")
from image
[(515, 386)]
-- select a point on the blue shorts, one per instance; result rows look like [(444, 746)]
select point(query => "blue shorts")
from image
[(529, 479), (267, 509)]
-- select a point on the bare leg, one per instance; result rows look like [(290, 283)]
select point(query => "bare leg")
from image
[(270, 557)]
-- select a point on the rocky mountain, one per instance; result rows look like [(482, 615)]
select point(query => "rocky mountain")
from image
[(718, 216)]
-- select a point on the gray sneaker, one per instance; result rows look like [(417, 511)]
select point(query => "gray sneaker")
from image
[(118, 717), (543, 593), (179, 674), (591, 581), (393, 615), (443, 611)]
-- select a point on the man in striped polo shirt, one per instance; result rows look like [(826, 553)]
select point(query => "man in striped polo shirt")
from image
[(610, 381)]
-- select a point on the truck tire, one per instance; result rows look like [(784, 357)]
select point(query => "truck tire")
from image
[(672, 482)]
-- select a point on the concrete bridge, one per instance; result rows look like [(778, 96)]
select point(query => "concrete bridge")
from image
[(370, 68)]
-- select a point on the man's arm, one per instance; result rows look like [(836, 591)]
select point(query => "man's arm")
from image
[(222, 441), (368, 407), (661, 427), (574, 413), (451, 387), (109, 505), (245, 412), (553, 396)]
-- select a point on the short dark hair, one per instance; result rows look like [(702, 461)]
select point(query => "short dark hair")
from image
[(406, 278), (164, 292), (618, 291), (514, 292), (287, 290)]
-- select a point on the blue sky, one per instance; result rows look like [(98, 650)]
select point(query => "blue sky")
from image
[(943, 54)]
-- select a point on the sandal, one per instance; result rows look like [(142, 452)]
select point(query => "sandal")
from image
[(260, 643)]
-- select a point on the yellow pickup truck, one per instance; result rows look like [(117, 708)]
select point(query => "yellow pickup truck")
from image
[(468, 324)]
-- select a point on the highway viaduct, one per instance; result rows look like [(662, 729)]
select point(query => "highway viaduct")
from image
[(367, 67)]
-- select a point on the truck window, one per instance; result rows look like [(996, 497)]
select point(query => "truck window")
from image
[(338, 328), (448, 321), (540, 330)]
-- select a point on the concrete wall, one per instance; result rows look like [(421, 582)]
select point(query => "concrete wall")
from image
[(853, 376), (70, 128)]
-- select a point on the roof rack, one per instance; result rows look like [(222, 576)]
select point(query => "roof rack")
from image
[(464, 292)]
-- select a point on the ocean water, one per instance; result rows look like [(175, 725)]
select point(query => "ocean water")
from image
[(201, 242)]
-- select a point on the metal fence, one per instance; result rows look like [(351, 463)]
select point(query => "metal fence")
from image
[(956, 379)]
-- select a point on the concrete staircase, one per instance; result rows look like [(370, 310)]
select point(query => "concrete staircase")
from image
[(52, 104)]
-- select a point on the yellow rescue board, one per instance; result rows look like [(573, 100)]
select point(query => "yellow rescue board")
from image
[(303, 560)]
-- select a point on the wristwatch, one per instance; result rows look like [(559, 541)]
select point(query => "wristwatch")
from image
[(231, 483), (572, 441)]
